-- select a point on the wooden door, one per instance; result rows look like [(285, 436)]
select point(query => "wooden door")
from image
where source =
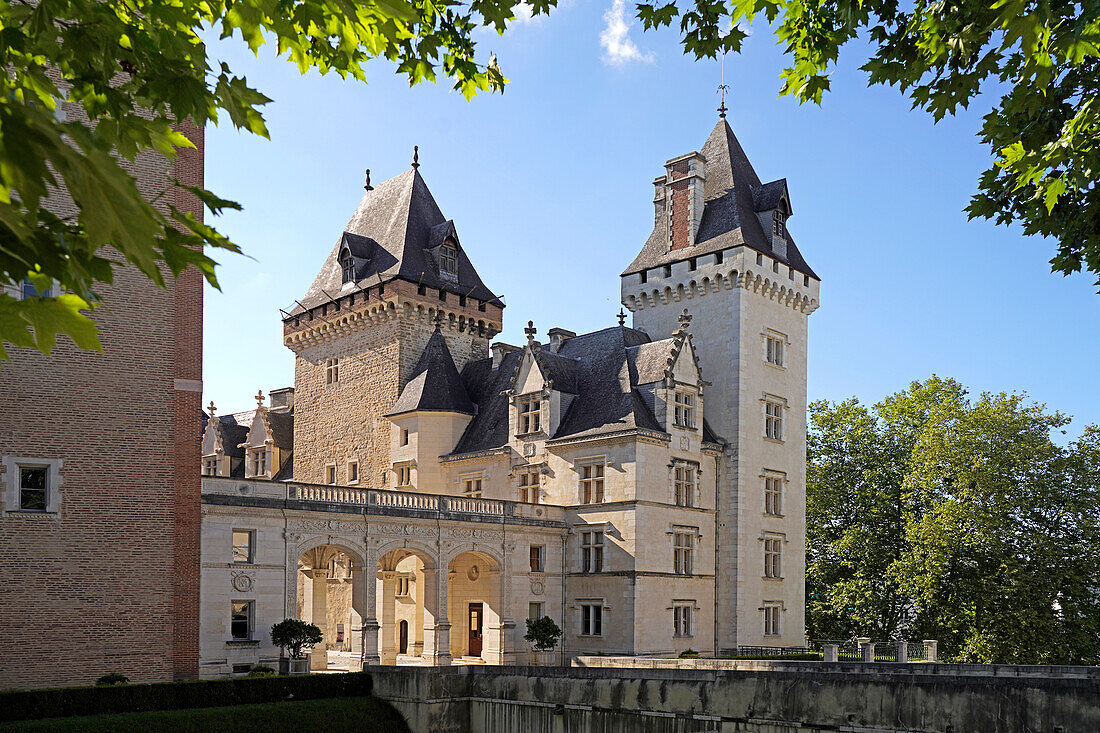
[(475, 629), (403, 637)]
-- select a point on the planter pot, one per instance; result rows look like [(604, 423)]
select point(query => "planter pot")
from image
[(293, 666)]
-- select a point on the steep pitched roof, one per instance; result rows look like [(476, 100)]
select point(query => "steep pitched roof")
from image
[(606, 400), (729, 211), (281, 425), (389, 236), (434, 384)]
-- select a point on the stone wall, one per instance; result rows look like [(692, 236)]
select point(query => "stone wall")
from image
[(765, 697)]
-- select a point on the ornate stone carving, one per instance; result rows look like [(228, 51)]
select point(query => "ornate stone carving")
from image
[(475, 534), (474, 572), (537, 587), (327, 525), (414, 530), (243, 582)]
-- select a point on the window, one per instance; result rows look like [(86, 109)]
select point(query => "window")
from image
[(592, 483), (538, 558), (404, 436), (683, 552), (772, 613), (258, 462), (448, 260), (535, 610), (332, 371), (773, 420), (529, 485), (644, 276), (243, 545), (773, 495), (529, 415), (684, 483), (471, 487), (790, 273), (681, 619), (773, 553), (775, 266), (402, 587), (210, 466), (330, 473), (30, 291), (32, 488), (240, 622), (775, 349), (779, 223), (685, 409), (592, 619), (668, 270), (353, 472), (806, 280), (404, 476), (591, 552), (718, 257), (759, 259), (347, 267), (692, 264)]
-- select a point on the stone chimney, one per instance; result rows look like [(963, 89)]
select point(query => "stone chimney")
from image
[(501, 350), (684, 180), (559, 336), (282, 400)]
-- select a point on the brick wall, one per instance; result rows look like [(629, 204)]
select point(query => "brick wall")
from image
[(109, 582)]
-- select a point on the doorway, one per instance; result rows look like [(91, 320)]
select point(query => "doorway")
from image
[(403, 637), (475, 618)]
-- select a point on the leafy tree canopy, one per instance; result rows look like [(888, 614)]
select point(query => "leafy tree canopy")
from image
[(1041, 58), (136, 69), (292, 635), (543, 633), (934, 515)]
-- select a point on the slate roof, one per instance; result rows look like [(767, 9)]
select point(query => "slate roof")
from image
[(234, 431), (649, 362), (282, 429), (434, 384), (729, 212), (389, 237), (604, 379)]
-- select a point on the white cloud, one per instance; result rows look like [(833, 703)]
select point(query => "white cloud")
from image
[(525, 14), (618, 47)]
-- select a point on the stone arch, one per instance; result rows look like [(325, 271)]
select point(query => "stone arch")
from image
[(393, 552)]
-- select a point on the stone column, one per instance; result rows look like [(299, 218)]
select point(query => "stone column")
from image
[(866, 649), (830, 652), (437, 629), (365, 599), (903, 651), (318, 658), (416, 633), (930, 650), (388, 646), (306, 579)]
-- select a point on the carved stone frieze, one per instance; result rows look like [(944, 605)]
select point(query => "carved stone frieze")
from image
[(473, 534), (408, 530), (327, 525)]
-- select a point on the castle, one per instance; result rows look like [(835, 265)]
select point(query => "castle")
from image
[(420, 492)]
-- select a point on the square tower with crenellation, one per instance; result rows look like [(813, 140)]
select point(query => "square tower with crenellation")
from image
[(720, 249), (397, 271)]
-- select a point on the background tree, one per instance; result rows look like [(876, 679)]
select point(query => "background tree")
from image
[(1041, 58), (933, 515), (543, 633), (293, 635), (138, 68)]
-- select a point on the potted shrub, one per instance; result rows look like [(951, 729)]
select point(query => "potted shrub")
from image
[(543, 634), (292, 637)]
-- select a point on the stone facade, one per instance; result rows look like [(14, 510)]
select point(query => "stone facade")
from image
[(118, 432), (643, 487)]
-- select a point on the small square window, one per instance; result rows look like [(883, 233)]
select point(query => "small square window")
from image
[(210, 466), (668, 270), (529, 485), (530, 417), (240, 622), (448, 260), (591, 552), (692, 263), (332, 371), (353, 472), (684, 415), (243, 545), (682, 620), (33, 486), (330, 473), (643, 277), (592, 619), (471, 487), (404, 475), (718, 257), (774, 350), (404, 436), (535, 610), (759, 259), (806, 280), (402, 586)]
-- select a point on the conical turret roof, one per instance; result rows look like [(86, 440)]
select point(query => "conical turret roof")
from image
[(434, 385)]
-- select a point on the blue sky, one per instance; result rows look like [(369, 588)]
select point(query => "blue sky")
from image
[(550, 187)]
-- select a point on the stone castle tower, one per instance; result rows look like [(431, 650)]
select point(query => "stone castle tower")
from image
[(397, 269), (721, 250)]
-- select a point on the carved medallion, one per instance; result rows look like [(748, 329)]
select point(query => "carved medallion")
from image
[(537, 587), (242, 582), (473, 573)]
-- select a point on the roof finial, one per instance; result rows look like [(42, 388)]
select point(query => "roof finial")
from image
[(367, 185), (722, 89), (530, 330), (685, 319), (438, 318), (416, 156), (259, 399), (210, 408), (621, 317)]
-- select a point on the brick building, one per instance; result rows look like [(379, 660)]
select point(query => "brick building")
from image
[(643, 487), (99, 498)]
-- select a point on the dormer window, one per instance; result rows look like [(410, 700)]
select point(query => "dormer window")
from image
[(685, 410), (347, 267), (779, 223), (530, 417), (448, 261), (259, 462)]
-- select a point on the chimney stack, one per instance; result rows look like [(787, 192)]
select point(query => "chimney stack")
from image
[(501, 350), (559, 336), (685, 178)]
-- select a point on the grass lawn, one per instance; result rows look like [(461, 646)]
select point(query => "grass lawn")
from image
[(360, 714)]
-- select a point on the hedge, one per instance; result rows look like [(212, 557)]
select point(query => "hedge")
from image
[(70, 701)]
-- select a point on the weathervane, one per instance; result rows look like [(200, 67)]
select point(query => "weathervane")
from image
[(722, 89)]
